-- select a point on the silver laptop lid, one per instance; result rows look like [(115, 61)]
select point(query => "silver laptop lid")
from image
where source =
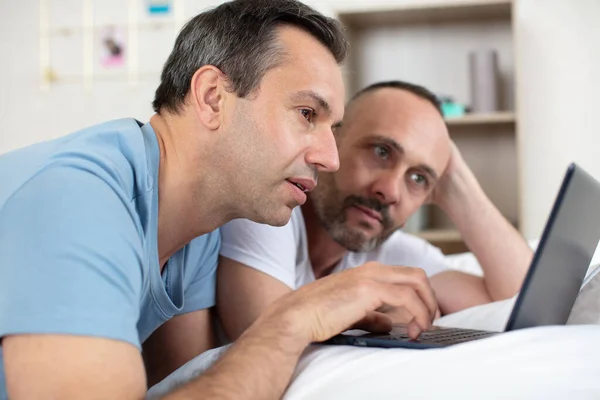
[(563, 255)]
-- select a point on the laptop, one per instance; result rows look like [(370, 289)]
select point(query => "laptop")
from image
[(553, 280)]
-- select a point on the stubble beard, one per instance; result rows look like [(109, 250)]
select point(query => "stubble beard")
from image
[(330, 207)]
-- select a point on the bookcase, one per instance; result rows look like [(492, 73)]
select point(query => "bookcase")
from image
[(428, 43)]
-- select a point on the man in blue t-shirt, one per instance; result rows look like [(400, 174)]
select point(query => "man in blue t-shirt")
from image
[(108, 236)]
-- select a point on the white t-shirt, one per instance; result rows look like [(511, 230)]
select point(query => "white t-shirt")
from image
[(282, 252)]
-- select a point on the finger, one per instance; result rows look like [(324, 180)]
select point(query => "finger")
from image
[(424, 290), (374, 322), (405, 296), (414, 330), (398, 315), (414, 277)]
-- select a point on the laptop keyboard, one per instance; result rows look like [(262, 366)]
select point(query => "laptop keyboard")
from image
[(440, 336)]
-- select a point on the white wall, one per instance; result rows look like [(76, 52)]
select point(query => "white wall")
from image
[(558, 60), (29, 113)]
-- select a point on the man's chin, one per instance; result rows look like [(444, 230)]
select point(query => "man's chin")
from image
[(353, 239), (365, 230), (278, 217)]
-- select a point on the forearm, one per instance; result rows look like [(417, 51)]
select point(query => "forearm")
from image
[(501, 251), (258, 366)]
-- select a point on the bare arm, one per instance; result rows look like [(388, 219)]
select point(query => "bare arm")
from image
[(501, 251), (176, 342), (258, 366), (456, 290), (72, 367), (242, 294), (261, 362)]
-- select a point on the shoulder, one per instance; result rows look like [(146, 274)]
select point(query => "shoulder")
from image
[(113, 152)]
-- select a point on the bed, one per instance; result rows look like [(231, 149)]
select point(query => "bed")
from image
[(556, 362)]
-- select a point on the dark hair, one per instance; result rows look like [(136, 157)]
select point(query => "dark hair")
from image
[(240, 38), (417, 90)]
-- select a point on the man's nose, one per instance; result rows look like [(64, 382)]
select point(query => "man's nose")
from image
[(323, 154), (388, 187)]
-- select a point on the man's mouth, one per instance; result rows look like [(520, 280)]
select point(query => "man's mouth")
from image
[(305, 185), (299, 186), (370, 212)]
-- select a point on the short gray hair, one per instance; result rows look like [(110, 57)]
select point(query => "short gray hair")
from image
[(239, 37)]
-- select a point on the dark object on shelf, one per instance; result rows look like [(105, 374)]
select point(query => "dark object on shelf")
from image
[(483, 74)]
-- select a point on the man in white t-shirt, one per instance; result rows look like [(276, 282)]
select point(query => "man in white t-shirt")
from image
[(395, 155)]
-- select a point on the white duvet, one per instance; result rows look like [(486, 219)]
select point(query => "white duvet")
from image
[(539, 363), (559, 362)]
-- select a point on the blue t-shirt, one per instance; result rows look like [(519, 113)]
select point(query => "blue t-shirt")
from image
[(78, 240)]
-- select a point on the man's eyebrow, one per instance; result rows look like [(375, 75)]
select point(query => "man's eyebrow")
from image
[(398, 148), (324, 106)]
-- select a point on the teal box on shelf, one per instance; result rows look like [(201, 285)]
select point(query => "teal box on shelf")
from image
[(452, 110)]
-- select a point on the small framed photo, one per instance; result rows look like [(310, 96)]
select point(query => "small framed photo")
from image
[(112, 47)]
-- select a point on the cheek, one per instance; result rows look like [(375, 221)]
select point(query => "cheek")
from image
[(288, 139), (351, 176), (356, 169)]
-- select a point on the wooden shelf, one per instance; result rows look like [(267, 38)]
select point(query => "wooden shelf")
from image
[(440, 235), (449, 241), (498, 118), (426, 12)]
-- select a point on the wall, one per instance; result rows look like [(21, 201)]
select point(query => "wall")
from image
[(29, 113), (558, 60)]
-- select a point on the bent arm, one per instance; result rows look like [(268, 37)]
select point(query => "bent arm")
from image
[(242, 294), (72, 367), (501, 251), (261, 362), (456, 291), (259, 365)]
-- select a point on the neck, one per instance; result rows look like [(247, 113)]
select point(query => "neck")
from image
[(188, 204), (324, 252)]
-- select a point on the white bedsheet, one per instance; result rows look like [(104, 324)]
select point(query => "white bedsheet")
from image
[(540, 363)]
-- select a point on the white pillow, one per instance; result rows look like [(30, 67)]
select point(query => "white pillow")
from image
[(586, 309), (467, 262)]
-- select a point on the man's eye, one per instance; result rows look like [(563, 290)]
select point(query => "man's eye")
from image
[(418, 179), (308, 114), (382, 152)]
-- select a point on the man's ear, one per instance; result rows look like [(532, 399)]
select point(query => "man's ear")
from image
[(207, 94)]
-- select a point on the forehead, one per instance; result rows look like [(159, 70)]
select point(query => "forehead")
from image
[(411, 121), (307, 66)]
